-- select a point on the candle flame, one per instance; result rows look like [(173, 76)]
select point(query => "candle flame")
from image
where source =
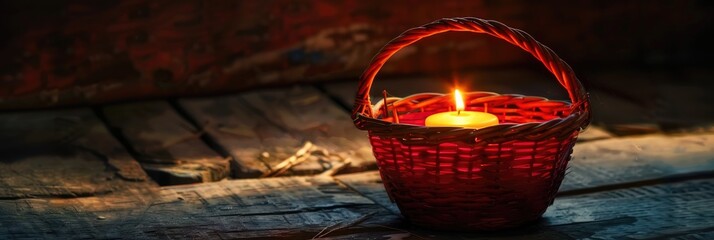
[(458, 100)]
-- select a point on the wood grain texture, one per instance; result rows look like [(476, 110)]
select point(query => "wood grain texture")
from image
[(62, 153), (300, 207), (644, 212), (169, 147), (631, 159), (668, 100), (261, 129), (295, 207), (370, 185), (256, 144), (306, 112)]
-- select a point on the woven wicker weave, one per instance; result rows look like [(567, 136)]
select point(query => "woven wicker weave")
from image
[(466, 179)]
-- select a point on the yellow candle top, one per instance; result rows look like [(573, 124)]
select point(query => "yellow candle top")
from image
[(461, 118)]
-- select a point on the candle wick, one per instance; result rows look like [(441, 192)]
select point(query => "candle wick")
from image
[(458, 112)]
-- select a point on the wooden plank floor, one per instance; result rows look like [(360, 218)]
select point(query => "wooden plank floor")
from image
[(296, 207), (62, 153), (168, 146), (308, 113), (273, 125), (79, 173)]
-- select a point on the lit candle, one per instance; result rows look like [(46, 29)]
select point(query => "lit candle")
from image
[(461, 118)]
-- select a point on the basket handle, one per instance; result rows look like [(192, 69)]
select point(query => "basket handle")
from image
[(562, 72)]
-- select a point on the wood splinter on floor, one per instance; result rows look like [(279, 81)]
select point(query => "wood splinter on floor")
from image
[(300, 156), (308, 150)]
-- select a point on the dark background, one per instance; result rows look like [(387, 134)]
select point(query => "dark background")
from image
[(654, 54)]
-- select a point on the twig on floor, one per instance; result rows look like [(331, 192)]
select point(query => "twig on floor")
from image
[(337, 165), (336, 168), (301, 155)]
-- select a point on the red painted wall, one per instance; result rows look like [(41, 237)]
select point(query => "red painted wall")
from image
[(82, 52)]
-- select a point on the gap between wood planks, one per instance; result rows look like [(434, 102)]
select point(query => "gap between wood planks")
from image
[(97, 110), (121, 119), (681, 177), (205, 138)]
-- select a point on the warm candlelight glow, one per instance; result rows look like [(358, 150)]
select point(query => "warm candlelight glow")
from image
[(459, 100), (461, 118)]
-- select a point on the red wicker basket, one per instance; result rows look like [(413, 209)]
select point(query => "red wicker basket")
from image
[(456, 178)]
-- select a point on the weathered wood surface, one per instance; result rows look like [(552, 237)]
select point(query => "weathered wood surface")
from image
[(653, 186), (632, 159), (370, 185), (301, 207), (306, 112), (62, 153), (655, 211), (262, 129), (291, 207), (255, 144), (169, 147), (652, 97)]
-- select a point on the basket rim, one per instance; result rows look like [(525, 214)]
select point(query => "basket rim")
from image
[(397, 100), (411, 134)]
